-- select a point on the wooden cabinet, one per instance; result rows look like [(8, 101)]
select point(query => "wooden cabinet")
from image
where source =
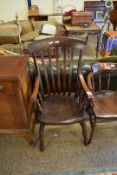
[(98, 9), (96, 6), (15, 94), (113, 18)]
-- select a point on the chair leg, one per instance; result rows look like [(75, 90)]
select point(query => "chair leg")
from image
[(93, 126), (30, 138), (91, 117), (84, 132), (83, 123), (41, 137)]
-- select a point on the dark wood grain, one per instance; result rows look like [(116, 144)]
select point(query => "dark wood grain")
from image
[(15, 97), (94, 6), (60, 105), (102, 106)]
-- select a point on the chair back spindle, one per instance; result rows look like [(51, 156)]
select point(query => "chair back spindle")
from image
[(64, 71), (56, 58), (102, 74), (100, 81), (70, 71), (108, 82), (58, 71), (51, 73)]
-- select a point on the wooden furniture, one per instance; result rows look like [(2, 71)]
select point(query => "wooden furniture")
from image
[(38, 17), (60, 100), (94, 6), (15, 97), (93, 28), (101, 94), (113, 18), (99, 6), (43, 17), (81, 18), (77, 31)]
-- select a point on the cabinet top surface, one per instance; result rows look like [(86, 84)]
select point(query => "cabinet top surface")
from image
[(12, 66)]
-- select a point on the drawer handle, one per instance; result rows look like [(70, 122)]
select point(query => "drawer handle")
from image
[(1, 87)]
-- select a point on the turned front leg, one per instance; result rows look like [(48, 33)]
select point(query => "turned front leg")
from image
[(41, 137)]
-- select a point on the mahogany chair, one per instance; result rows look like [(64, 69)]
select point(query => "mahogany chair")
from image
[(100, 94), (58, 99)]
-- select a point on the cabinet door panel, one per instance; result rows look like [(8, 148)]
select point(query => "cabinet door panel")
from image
[(10, 115)]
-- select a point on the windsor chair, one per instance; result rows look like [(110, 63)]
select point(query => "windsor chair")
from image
[(101, 94), (59, 89)]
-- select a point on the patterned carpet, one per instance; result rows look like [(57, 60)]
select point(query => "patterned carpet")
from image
[(64, 152)]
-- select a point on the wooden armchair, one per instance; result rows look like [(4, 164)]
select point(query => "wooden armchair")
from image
[(58, 101), (100, 94)]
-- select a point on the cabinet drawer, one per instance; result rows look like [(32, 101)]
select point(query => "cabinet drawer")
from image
[(6, 87)]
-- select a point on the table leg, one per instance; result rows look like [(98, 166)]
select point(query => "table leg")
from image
[(98, 45)]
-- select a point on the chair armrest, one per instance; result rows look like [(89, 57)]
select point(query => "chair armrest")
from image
[(35, 90), (85, 87), (89, 81)]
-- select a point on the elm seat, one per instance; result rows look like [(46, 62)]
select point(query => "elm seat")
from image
[(67, 110), (58, 100), (100, 94), (102, 102)]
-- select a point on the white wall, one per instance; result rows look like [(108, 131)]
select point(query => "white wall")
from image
[(8, 8), (78, 4), (46, 6)]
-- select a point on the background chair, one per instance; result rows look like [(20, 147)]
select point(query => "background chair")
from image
[(101, 94), (58, 77)]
